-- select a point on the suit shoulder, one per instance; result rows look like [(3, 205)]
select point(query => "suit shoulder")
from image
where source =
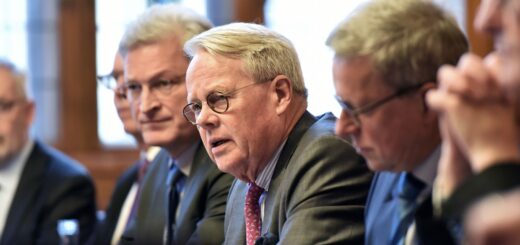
[(320, 141), (58, 163)]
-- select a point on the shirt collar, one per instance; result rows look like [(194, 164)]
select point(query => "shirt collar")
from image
[(427, 170), (264, 178), (150, 153), (11, 172)]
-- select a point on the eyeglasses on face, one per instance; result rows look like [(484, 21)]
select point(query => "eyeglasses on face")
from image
[(109, 81), (159, 87), (355, 112), (7, 106), (216, 101)]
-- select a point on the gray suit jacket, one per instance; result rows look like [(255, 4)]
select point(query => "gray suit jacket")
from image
[(201, 210), (317, 192)]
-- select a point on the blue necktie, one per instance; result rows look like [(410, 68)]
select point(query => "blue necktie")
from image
[(408, 192), (174, 182)]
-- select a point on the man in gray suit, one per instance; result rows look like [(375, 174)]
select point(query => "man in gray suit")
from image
[(297, 182), (387, 56), (183, 195)]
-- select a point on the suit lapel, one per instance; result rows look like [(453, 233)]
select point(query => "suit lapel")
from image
[(26, 193), (381, 208), (269, 220), (235, 221), (192, 185)]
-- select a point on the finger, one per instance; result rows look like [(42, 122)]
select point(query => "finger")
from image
[(452, 80), (440, 101), (481, 82)]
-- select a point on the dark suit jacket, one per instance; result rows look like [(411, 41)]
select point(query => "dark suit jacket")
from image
[(381, 208), (106, 228), (201, 210), (316, 195), (52, 187), (499, 178)]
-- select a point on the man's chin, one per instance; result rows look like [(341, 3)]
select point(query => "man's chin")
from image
[(156, 142)]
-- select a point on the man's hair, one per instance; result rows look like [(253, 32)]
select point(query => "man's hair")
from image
[(407, 40), (18, 78), (264, 52), (162, 21)]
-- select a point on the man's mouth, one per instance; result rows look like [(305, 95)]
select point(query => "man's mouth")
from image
[(218, 142)]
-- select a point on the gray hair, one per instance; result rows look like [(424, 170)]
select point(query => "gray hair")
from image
[(407, 40), (163, 21), (18, 78), (264, 52)]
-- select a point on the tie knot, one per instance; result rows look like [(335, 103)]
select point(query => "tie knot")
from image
[(254, 192), (410, 187)]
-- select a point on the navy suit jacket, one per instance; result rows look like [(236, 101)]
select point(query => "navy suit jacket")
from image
[(316, 195), (381, 208), (52, 187)]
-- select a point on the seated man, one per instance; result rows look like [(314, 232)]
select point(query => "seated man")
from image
[(38, 184), (297, 182), (386, 59), (183, 194), (121, 208)]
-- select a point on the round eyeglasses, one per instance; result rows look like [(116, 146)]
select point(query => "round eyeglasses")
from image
[(217, 101), (355, 112)]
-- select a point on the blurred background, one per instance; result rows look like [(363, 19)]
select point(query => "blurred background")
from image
[(63, 44)]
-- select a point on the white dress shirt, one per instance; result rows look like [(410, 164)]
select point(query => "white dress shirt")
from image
[(10, 174)]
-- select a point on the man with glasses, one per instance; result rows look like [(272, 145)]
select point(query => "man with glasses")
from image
[(183, 194), (386, 58), (38, 185), (121, 209), (297, 183)]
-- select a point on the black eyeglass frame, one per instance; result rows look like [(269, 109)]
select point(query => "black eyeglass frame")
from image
[(355, 112)]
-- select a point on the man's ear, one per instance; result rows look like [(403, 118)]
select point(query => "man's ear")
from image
[(282, 87), (30, 108), (423, 90)]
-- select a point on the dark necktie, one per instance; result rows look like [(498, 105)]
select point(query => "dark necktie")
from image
[(175, 182), (252, 213), (409, 190)]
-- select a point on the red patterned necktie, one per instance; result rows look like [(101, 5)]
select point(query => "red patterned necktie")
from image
[(252, 213)]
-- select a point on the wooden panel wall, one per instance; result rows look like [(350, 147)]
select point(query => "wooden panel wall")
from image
[(481, 44), (78, 135)]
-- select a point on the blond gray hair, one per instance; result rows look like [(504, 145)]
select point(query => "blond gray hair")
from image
[(162, 21), (265, 53), (407, 40), (18, 78)]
